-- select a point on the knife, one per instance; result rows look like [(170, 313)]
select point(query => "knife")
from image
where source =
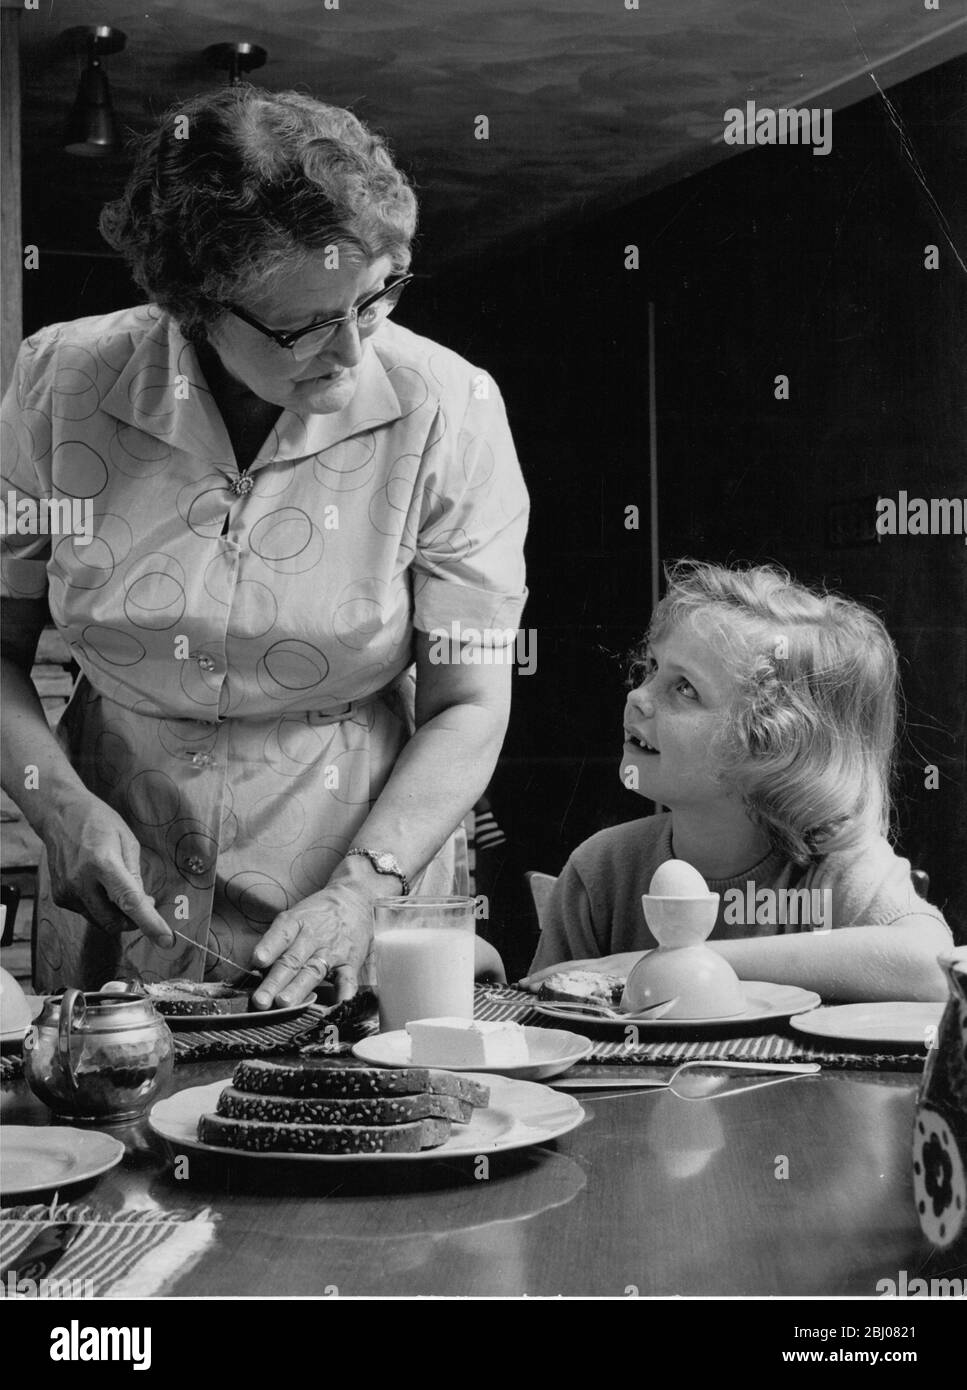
[(612, 1078), (255, 974)]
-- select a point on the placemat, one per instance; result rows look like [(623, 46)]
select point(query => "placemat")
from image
[(127, 1255), (333, 1029), (498, 1002)]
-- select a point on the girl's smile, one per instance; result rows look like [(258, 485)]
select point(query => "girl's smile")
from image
[(672, 718)]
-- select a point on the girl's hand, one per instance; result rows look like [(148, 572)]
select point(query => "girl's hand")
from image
[(621, 964), (327, 934), (94, 864)]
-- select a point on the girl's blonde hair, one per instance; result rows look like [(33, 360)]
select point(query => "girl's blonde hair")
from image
[(809, 741)]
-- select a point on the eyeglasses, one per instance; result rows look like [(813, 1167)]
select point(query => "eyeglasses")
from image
[(366, 316)]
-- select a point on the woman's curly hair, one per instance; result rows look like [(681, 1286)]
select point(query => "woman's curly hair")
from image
[(238, 185), (809, 741)]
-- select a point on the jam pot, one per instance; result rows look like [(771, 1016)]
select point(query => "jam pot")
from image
[(98, 1055)]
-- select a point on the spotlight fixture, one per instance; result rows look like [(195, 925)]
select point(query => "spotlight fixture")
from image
[(91, 126), (234, 59)]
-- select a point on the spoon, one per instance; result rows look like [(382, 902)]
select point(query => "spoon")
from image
[(596, 1010), (689, 1083)]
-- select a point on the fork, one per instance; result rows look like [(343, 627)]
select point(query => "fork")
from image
[(595, 1010)]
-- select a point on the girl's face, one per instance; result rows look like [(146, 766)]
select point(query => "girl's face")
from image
[(676, 711)]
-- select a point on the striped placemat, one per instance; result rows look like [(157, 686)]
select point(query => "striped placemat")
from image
[(125, 1255), (498, 1002)]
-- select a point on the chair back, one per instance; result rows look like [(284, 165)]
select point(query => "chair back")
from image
[(540, 886)]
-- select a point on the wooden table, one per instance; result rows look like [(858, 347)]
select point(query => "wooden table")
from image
[(802, 1188)]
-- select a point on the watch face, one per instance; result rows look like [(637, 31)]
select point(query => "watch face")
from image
[(384, 861)]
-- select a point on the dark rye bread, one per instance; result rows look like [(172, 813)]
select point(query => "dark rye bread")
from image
[(254, 1136), (322, 1079), (320, 1110), (186, 998)]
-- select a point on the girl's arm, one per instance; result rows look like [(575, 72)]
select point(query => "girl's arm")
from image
[(846, 965), (849, 964)]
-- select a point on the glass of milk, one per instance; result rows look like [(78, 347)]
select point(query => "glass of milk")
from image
[(424, 959)]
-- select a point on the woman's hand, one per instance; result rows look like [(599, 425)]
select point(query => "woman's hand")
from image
[(94, 863), (621, 964), (327, 934)]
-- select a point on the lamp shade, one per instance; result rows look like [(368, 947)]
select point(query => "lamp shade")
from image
[(91, 126)]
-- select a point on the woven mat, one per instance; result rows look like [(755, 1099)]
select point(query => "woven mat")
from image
[(321, 1031), (333, 1030), (497, 1002)]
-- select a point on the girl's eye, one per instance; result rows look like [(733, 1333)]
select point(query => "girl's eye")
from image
[(686, 688)]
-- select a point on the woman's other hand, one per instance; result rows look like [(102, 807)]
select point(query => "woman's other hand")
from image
[(327, 934), (94, 864)]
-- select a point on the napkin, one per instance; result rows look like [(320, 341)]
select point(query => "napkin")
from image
[(126, 1255)]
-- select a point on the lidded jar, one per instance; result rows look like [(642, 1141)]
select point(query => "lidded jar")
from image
[(98, 1055)]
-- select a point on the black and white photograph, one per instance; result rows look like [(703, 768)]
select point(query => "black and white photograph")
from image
[(484, 678)]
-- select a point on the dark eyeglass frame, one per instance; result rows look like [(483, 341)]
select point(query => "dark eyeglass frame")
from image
[(288, 340)]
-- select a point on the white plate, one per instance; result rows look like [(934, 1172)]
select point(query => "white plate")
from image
[(37, 1159), (763, 1002), (890, 1023), (551, 1052), (186, 1023), (520, 1113)]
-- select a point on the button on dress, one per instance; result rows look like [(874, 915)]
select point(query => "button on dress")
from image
[(246, 642)]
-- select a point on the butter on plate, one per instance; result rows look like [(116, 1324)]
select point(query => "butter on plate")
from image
[(465, 1042)]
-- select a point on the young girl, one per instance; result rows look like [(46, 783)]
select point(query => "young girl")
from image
[(763, 714)]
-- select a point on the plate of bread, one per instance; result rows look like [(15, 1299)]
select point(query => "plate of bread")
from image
[(317, 1111), (214, 1004)]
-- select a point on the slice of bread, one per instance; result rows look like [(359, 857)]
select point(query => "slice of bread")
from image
[(190, 997), (322, 1079), (256, 1136), (576, 986), (320, 1110)]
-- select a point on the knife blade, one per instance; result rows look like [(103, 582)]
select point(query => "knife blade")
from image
[(612, 1078), (255, 974)]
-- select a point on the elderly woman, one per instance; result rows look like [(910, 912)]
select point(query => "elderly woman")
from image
[(287, 495)]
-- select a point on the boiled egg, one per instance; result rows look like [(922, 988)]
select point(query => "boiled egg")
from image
[(676, 879)]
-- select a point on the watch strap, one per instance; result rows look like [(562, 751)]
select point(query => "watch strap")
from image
[(384, 863)]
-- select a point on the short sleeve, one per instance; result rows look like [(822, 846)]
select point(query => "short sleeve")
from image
[(25, 467), (468, 568)]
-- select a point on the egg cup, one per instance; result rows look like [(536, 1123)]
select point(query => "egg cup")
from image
[(683, 968)]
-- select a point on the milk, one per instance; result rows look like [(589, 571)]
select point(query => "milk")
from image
[(424, 972)]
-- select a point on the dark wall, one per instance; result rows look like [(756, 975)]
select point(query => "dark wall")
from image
[(775, 261)]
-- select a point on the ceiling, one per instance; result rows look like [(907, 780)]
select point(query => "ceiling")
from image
[(589, 103)]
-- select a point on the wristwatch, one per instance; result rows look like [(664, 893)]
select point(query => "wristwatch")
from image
[(384, 863)]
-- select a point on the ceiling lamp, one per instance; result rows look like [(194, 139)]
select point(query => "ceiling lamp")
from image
[(91, 126), (235, 58)]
